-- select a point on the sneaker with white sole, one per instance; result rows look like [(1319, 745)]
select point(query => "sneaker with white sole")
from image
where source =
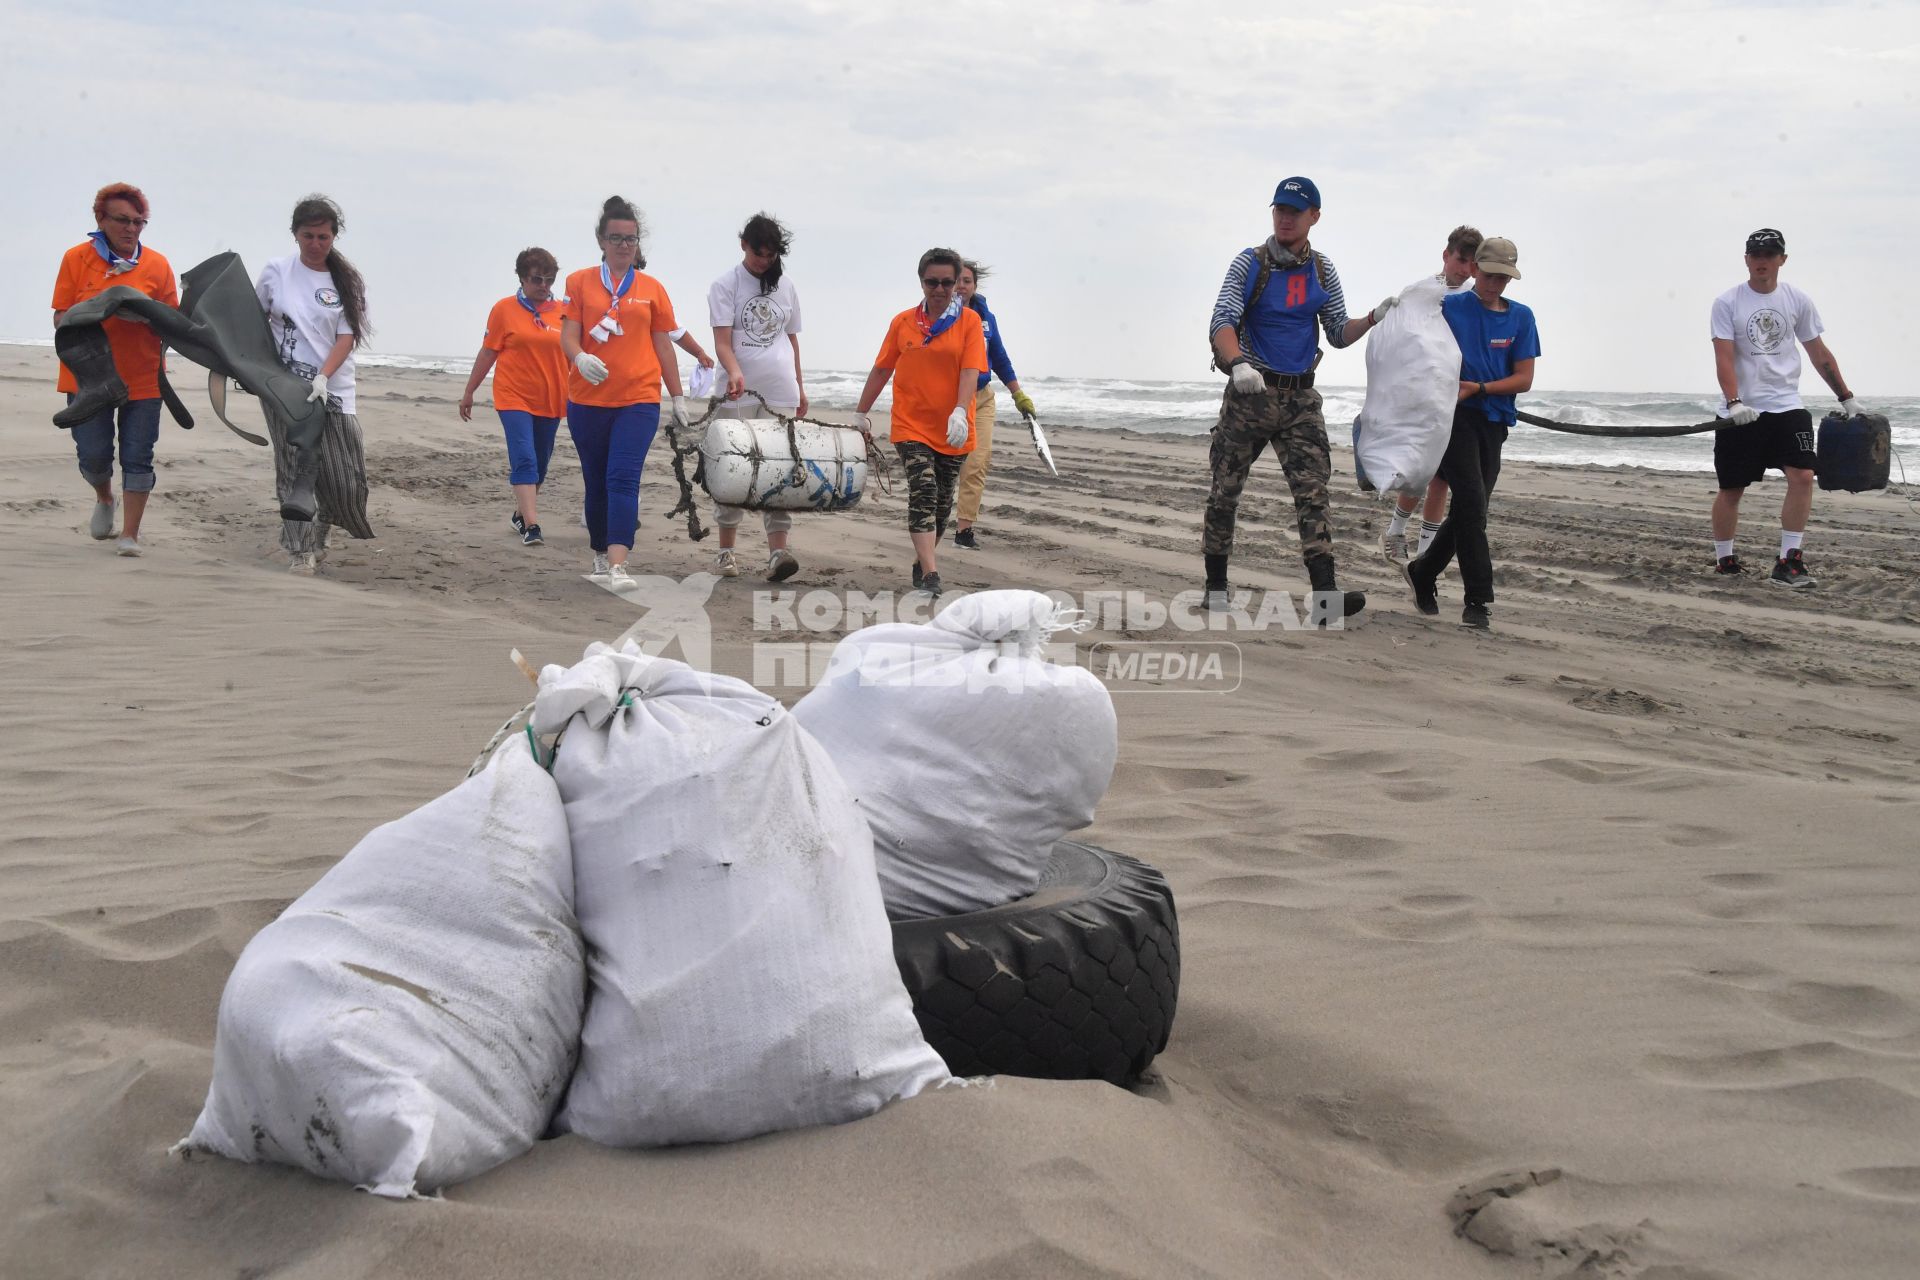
[(101, 525), (619, 579), (519, 525), (599, 569), (781, 565), (726, 563), (129, 547), (531, 537)]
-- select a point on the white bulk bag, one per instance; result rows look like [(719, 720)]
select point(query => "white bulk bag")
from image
[(750, 462), (969, 752), (740, 964), (1413, 383), (411, 1020)]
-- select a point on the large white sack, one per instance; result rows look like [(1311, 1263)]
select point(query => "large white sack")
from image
[(1413, 383), (411, 1020), (969, 752), (740, 964)]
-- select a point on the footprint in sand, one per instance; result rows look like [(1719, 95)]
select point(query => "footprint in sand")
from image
[(1687, 835), (1423, 917), (1859, 1008), (1891, 1182), (1348, 846), (1530, 1215)]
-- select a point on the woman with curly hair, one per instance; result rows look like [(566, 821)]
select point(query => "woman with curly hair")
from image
[(522, 349)]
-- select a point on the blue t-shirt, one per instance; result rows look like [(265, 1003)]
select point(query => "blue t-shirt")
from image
[(1490, 343)]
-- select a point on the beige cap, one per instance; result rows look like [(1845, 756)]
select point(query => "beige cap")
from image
[(1499, 257)]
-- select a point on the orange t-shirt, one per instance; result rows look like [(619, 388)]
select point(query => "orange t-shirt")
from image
[(531, 372), (136, 347), (927, 374), (633, 367)]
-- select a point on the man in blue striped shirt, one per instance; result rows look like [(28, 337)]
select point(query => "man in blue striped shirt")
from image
[(1262, 332)]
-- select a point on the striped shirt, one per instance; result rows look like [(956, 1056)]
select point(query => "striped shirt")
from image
[(1231, 305)]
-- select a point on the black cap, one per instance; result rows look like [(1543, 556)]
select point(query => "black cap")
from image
[(1766, 242)]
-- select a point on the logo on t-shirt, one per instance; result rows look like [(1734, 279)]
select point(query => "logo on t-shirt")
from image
[(1499, 344), (761, 321), (326, 297), (1766, 330)]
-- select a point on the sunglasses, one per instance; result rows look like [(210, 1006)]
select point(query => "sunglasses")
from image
[(621, 240), (532, 279), (946, 282), (125, 221)]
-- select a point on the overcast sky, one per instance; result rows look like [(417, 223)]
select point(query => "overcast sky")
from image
[(1107, 159)]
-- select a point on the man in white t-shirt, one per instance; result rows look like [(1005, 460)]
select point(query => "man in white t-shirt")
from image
[(755, 312), (1755, 327)]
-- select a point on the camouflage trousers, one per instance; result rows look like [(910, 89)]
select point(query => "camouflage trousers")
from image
[(1290, 421), (930, 480)]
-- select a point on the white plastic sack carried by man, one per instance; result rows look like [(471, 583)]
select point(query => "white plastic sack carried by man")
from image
[(411, 1020), (970, 753), (741, 967), (1413, 383)]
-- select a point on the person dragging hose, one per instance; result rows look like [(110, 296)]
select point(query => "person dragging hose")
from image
[(935, 354), (973, 472), (522, 349), (755, 312)]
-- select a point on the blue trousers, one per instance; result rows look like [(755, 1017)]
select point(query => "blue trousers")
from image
[(612, 444), (139, 431), (529, 444)]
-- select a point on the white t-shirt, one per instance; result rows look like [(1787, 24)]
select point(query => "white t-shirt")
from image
[(306, 318), (760, 324), (1765, 329)]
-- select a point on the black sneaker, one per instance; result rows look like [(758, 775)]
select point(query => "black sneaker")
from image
[(1423, 593), (965, 538), (918, 573), (1729, 565), (519, 525), (1477, 617), (1790, 571), (530, 535), (930, 583)]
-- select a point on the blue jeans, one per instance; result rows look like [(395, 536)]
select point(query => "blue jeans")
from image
[(139, 431), (612, 444), (529, 444)]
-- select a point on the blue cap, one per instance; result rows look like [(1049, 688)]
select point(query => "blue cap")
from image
[(1297, 193)]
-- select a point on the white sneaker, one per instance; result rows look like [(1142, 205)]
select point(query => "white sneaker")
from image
[(1394, 546), (726, 563), (303, 563), (130, 547), (599, 569), (619, 579), (101, 526), (781, 565)]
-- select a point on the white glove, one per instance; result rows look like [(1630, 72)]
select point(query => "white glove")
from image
[(592, 368), (863, 422), (319, 391), (957, 427), (1851, 408), (1742, 414), (680, 418), (1386, 305), (1247, 380)]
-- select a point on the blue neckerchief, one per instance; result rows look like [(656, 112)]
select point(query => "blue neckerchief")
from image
[(606, 278), (946, 321), (115, 263), (531, 306)]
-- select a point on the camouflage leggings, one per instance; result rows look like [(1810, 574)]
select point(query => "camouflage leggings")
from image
[(930, 480), (1290, 421)]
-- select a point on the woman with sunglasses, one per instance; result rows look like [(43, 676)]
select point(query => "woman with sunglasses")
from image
[(615, 331), (522, 349), (934, 353), (973, 473), (113, 255)]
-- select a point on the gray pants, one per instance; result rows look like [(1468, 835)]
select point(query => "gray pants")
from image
[(341, 487)]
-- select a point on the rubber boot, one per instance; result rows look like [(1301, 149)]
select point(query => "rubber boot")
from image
[(304, 436), (1320, 574), (87, 353), (1216, 572)]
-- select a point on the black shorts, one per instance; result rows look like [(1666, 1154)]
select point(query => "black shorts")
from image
[(1780, 440)]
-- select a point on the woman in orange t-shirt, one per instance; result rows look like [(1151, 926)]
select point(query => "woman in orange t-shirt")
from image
[(522, 348), (111, 256), (934, 353), (615, 333)]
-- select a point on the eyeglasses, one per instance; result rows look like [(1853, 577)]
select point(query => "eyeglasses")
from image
[(621, 240), (532, 279), (125, 221), (945, 282)]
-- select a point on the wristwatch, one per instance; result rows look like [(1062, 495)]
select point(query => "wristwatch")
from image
[(1482, 386)]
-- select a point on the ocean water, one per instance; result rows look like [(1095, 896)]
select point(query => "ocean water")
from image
[(1189, 408)]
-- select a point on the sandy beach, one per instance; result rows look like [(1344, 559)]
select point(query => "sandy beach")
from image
[(1616, 908)]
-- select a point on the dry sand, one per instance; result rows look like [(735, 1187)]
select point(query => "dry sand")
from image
[(1624, 890)]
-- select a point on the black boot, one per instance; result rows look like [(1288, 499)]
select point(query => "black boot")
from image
[(1320, 574), (87, 353), (1216, 592)]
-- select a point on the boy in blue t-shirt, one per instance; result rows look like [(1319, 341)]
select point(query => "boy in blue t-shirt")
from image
[(1498, 345)]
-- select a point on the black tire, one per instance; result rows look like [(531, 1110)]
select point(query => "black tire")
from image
[(1076, 981)]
